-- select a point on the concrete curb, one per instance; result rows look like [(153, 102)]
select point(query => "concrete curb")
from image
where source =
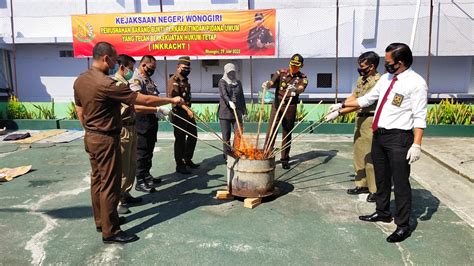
[(451, 166)]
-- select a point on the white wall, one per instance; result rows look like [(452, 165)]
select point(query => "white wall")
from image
[(43, 75), (48, 21)]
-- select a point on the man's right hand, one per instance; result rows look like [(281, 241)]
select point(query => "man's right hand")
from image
[(266, 84), (335, 107), (177, 100), (331, 116)]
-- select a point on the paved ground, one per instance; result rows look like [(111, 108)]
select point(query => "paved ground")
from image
[(45, 216)]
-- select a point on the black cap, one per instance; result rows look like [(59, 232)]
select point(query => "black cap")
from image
[(258, 16), (185, 60), (296, 60)]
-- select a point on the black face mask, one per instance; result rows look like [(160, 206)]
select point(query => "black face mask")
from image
[(391, 68), (363, 72), (149, 72), (185, 72)]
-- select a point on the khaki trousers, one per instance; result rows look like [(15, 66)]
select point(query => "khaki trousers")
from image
[(128, 149), (363, 166)]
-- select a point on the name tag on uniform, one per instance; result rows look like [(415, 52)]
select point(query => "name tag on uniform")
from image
[(397, 99)]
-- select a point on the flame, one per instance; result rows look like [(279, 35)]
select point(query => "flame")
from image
[(245, 147)]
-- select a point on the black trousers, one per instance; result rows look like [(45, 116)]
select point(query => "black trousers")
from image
[(288, 123), (145, 147), (184, 143), (389, 151), (227, 126)]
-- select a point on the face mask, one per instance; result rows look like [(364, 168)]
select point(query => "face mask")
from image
[(149, 72), (129, 75), (185, 72), (294, 69), (363, 72), (391, 68)]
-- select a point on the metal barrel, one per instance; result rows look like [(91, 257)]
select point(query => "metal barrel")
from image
[(250, 178)]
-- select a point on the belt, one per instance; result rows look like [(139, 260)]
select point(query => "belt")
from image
[(105, 133), (383, 131), (365, 114)]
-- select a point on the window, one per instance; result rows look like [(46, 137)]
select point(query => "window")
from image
[(324, 80), (215, 80), (210, 62), (66, 53)]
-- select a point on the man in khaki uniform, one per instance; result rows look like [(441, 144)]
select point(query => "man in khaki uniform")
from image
[(98, 100), (185, 143), (362, 161)]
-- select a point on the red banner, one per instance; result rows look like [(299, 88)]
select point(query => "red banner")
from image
[(194, 33)]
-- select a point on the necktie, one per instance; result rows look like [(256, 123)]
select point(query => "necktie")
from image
[(379, 111)]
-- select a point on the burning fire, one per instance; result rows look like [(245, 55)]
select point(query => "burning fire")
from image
[(244, 147)]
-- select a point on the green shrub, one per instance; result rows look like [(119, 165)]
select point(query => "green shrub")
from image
[(45, 112), (71, 111), (208, 115), (17, 110), (253, 112), (448, 112), (300, 112)]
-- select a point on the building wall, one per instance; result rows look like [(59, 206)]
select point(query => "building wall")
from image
[(43, 75), (43, 28)]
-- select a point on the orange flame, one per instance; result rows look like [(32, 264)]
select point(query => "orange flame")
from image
[(245, 147)]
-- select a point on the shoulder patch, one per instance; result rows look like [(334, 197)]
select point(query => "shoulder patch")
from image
[(305, 81)]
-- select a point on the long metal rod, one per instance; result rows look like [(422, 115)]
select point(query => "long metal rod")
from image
[(275, 118), (304, 131), (262, 106), (289, 143), (337, 51), (428, 67), (198, 127), (301, 121), (221, 150), (16, 90), (275, 132), (237, 121)]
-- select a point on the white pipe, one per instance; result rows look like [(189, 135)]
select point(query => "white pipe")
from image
[(415, 24)]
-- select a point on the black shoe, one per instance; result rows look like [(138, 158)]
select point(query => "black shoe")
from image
[(132, 200), (192, 165), (120, 238), (357, 190), (152, 182), (371, 197), (122, 209), (143, 186), (182, 170), (399, 235), (122, 220), (285, 165), (375, 217)]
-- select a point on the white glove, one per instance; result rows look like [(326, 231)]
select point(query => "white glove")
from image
[(414, 153), (331, 116), (266, 84), (335, 107), (292, 94), (162, 112), (232, 105), (291, 88)]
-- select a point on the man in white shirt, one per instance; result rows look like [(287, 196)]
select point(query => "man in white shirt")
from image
[(398, 125)]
